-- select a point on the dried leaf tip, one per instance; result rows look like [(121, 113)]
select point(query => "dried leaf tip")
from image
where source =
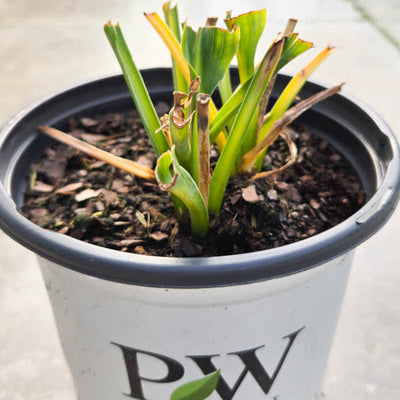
[(194, 85), (203, 99), (202, 106), (211, 21), (291, 24)]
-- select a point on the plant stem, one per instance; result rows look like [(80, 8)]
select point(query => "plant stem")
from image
[(203, 137)]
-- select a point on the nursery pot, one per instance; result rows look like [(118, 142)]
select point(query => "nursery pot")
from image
[(135, 326)]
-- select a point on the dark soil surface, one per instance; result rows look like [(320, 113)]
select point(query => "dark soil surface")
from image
[(91, 201)]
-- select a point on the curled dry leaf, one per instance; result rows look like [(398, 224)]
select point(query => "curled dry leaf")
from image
[(293, 156)]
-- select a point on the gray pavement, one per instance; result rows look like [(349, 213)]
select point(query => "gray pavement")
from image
[(47, 46)]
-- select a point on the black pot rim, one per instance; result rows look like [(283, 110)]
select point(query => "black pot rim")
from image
[(198, 272)]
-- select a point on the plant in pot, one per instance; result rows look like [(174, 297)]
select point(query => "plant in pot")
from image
[(138, 325)]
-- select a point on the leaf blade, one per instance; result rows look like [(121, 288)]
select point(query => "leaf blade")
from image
[(228, 110), (199, 389), (136, 87), (288, 95), (288, 117), (227, 159), (181, 184), (172, 20), (209, 51), (171, 42), (251, 28)]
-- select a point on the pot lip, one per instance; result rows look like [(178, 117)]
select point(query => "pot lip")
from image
[(201, 272)]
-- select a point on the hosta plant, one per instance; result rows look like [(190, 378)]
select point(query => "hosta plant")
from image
[(242, 127)]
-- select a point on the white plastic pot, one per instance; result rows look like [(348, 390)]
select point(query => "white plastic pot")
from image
[(135, 326), (270, 339)]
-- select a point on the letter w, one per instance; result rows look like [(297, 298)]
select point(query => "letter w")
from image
[(252, 365)]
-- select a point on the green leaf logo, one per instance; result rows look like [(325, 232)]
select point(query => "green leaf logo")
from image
[(199, 389)]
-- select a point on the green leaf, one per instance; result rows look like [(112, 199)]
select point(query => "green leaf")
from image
[(172, 20), (180, 134), (227, 159), (173, 178), (225, 87), (251, 28), (228, 110), (288, 95), (287, 118), (199, 389), (209, 52), (293, 48), (137, 88)]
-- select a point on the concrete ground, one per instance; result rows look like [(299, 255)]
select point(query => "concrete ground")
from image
[(47, 46)]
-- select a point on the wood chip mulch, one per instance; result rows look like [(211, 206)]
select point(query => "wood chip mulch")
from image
[(84, 198)]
